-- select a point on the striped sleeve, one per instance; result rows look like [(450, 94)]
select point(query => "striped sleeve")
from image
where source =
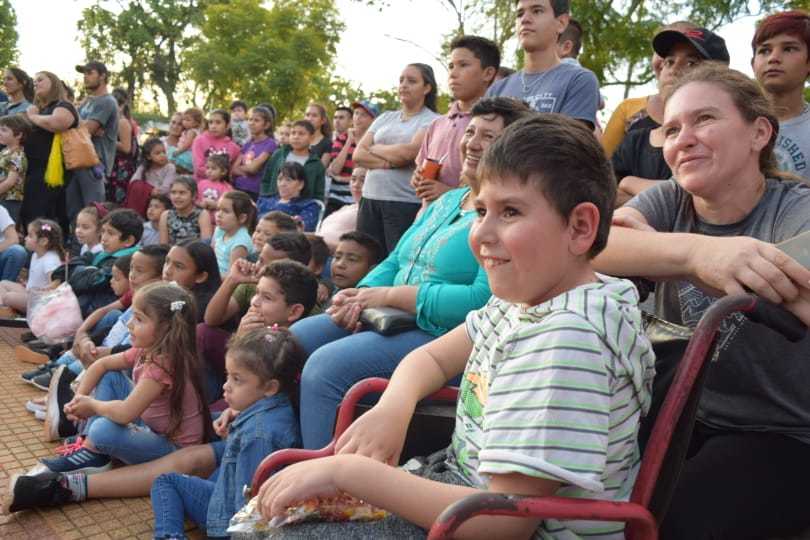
[(548, 410)]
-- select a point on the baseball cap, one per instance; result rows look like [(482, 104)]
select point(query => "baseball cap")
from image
[(368, 106), (96, 66), (708, 44)]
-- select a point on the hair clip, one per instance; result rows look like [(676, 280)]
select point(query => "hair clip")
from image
[(45, 227), (177, 305)]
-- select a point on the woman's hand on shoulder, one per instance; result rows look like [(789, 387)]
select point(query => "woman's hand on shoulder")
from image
[(735, 265), (378, 434)]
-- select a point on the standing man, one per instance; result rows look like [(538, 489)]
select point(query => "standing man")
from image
[(545, 83), (781, 64), (99, 114)]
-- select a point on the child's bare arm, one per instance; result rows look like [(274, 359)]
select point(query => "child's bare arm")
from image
[(239, 252), (222, 307), (416, 499), (380, 433), (130, 409), (205, 225), (163, 227), (10, 238)]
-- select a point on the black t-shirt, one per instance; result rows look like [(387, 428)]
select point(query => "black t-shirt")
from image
[(635, 156), (38, 143), (321, 148)]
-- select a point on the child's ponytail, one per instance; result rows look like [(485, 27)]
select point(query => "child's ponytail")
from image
[(173, 309), (271, 353)]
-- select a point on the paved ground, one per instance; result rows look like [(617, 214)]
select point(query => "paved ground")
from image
[(21, 444)]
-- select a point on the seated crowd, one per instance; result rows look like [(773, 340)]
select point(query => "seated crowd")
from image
[(225, 274)]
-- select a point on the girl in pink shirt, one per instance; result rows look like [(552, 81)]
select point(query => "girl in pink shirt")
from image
[(216, 183), (162, 407), (215, 139)]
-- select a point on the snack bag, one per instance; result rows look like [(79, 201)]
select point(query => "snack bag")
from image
[(339, 508), (53, 314)]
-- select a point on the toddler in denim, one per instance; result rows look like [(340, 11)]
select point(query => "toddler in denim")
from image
[(261, 389)]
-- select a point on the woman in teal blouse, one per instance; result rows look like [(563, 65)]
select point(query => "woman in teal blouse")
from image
[(431, 273)]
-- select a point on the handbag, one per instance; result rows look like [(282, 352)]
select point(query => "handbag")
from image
[(78, 150), (388, 320)]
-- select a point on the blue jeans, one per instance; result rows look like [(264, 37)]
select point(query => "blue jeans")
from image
[(105, 324), (175, 496), (133, 443), (74, 364), (337, 360), (12, 259)]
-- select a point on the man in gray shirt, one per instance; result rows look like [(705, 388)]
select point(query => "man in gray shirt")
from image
[(99, 114), (545, 83), (781, 64)]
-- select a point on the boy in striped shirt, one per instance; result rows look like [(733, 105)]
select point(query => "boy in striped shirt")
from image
[(557, 371)]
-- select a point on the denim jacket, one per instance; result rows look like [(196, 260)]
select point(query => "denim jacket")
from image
[(268, 425)]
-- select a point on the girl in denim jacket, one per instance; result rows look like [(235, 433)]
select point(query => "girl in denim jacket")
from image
[(263, 368)]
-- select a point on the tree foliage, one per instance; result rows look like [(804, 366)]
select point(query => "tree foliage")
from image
[(282, 54), (8, 34), (141, 41)]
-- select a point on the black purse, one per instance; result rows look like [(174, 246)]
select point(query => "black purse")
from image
[(388, 320)]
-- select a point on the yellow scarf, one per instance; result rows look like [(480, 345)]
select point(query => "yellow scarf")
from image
[(55, 171)]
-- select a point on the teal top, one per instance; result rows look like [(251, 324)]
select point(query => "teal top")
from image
[(434, 254)]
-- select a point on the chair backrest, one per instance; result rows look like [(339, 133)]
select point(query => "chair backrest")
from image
[(321, 211), (665, 453)]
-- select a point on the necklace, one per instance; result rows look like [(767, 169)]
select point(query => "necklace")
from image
[(531, 84)]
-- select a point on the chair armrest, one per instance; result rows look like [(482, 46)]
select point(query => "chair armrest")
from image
[(280, 459), (497, 504)]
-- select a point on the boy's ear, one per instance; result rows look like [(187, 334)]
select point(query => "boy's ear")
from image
[(129, 241), (294, 312), (583, 224), (489, 74)]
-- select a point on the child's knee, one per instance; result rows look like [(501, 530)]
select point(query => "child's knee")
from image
[(105, 434)]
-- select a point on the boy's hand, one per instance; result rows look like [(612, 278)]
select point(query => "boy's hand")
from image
[(244, 271), (222, 423), (87, 351), (251, 321), (297, 483), (378, 434), (323, 293)]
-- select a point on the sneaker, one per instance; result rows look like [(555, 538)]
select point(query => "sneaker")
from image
[(26, 354), (28, 376), (57, 425), (79, 459), (27, 492), (39, 415), (27, 336), (34, 406), (43, 380)]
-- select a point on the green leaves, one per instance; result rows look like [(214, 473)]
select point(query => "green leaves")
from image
[(8, 34)]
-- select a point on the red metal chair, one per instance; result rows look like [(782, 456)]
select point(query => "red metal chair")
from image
[(663, 458)]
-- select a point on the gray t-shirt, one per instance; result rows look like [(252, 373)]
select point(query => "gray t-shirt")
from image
[(758, 380), (395, 184), (292, 157), (793, 145), (104, 110), (566, 88)]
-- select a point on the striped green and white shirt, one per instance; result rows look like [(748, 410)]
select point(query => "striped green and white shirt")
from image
[(556, 391)]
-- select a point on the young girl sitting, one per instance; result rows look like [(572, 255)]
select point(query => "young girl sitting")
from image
[(236, 218), (248, 168), (153, 176), (215, 139), (151, 227), (44, 239), (88, 230), (193, 124), (291, 182), (262, 386), (216, 183), (161, 408), (185, 221), (193, 266)]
